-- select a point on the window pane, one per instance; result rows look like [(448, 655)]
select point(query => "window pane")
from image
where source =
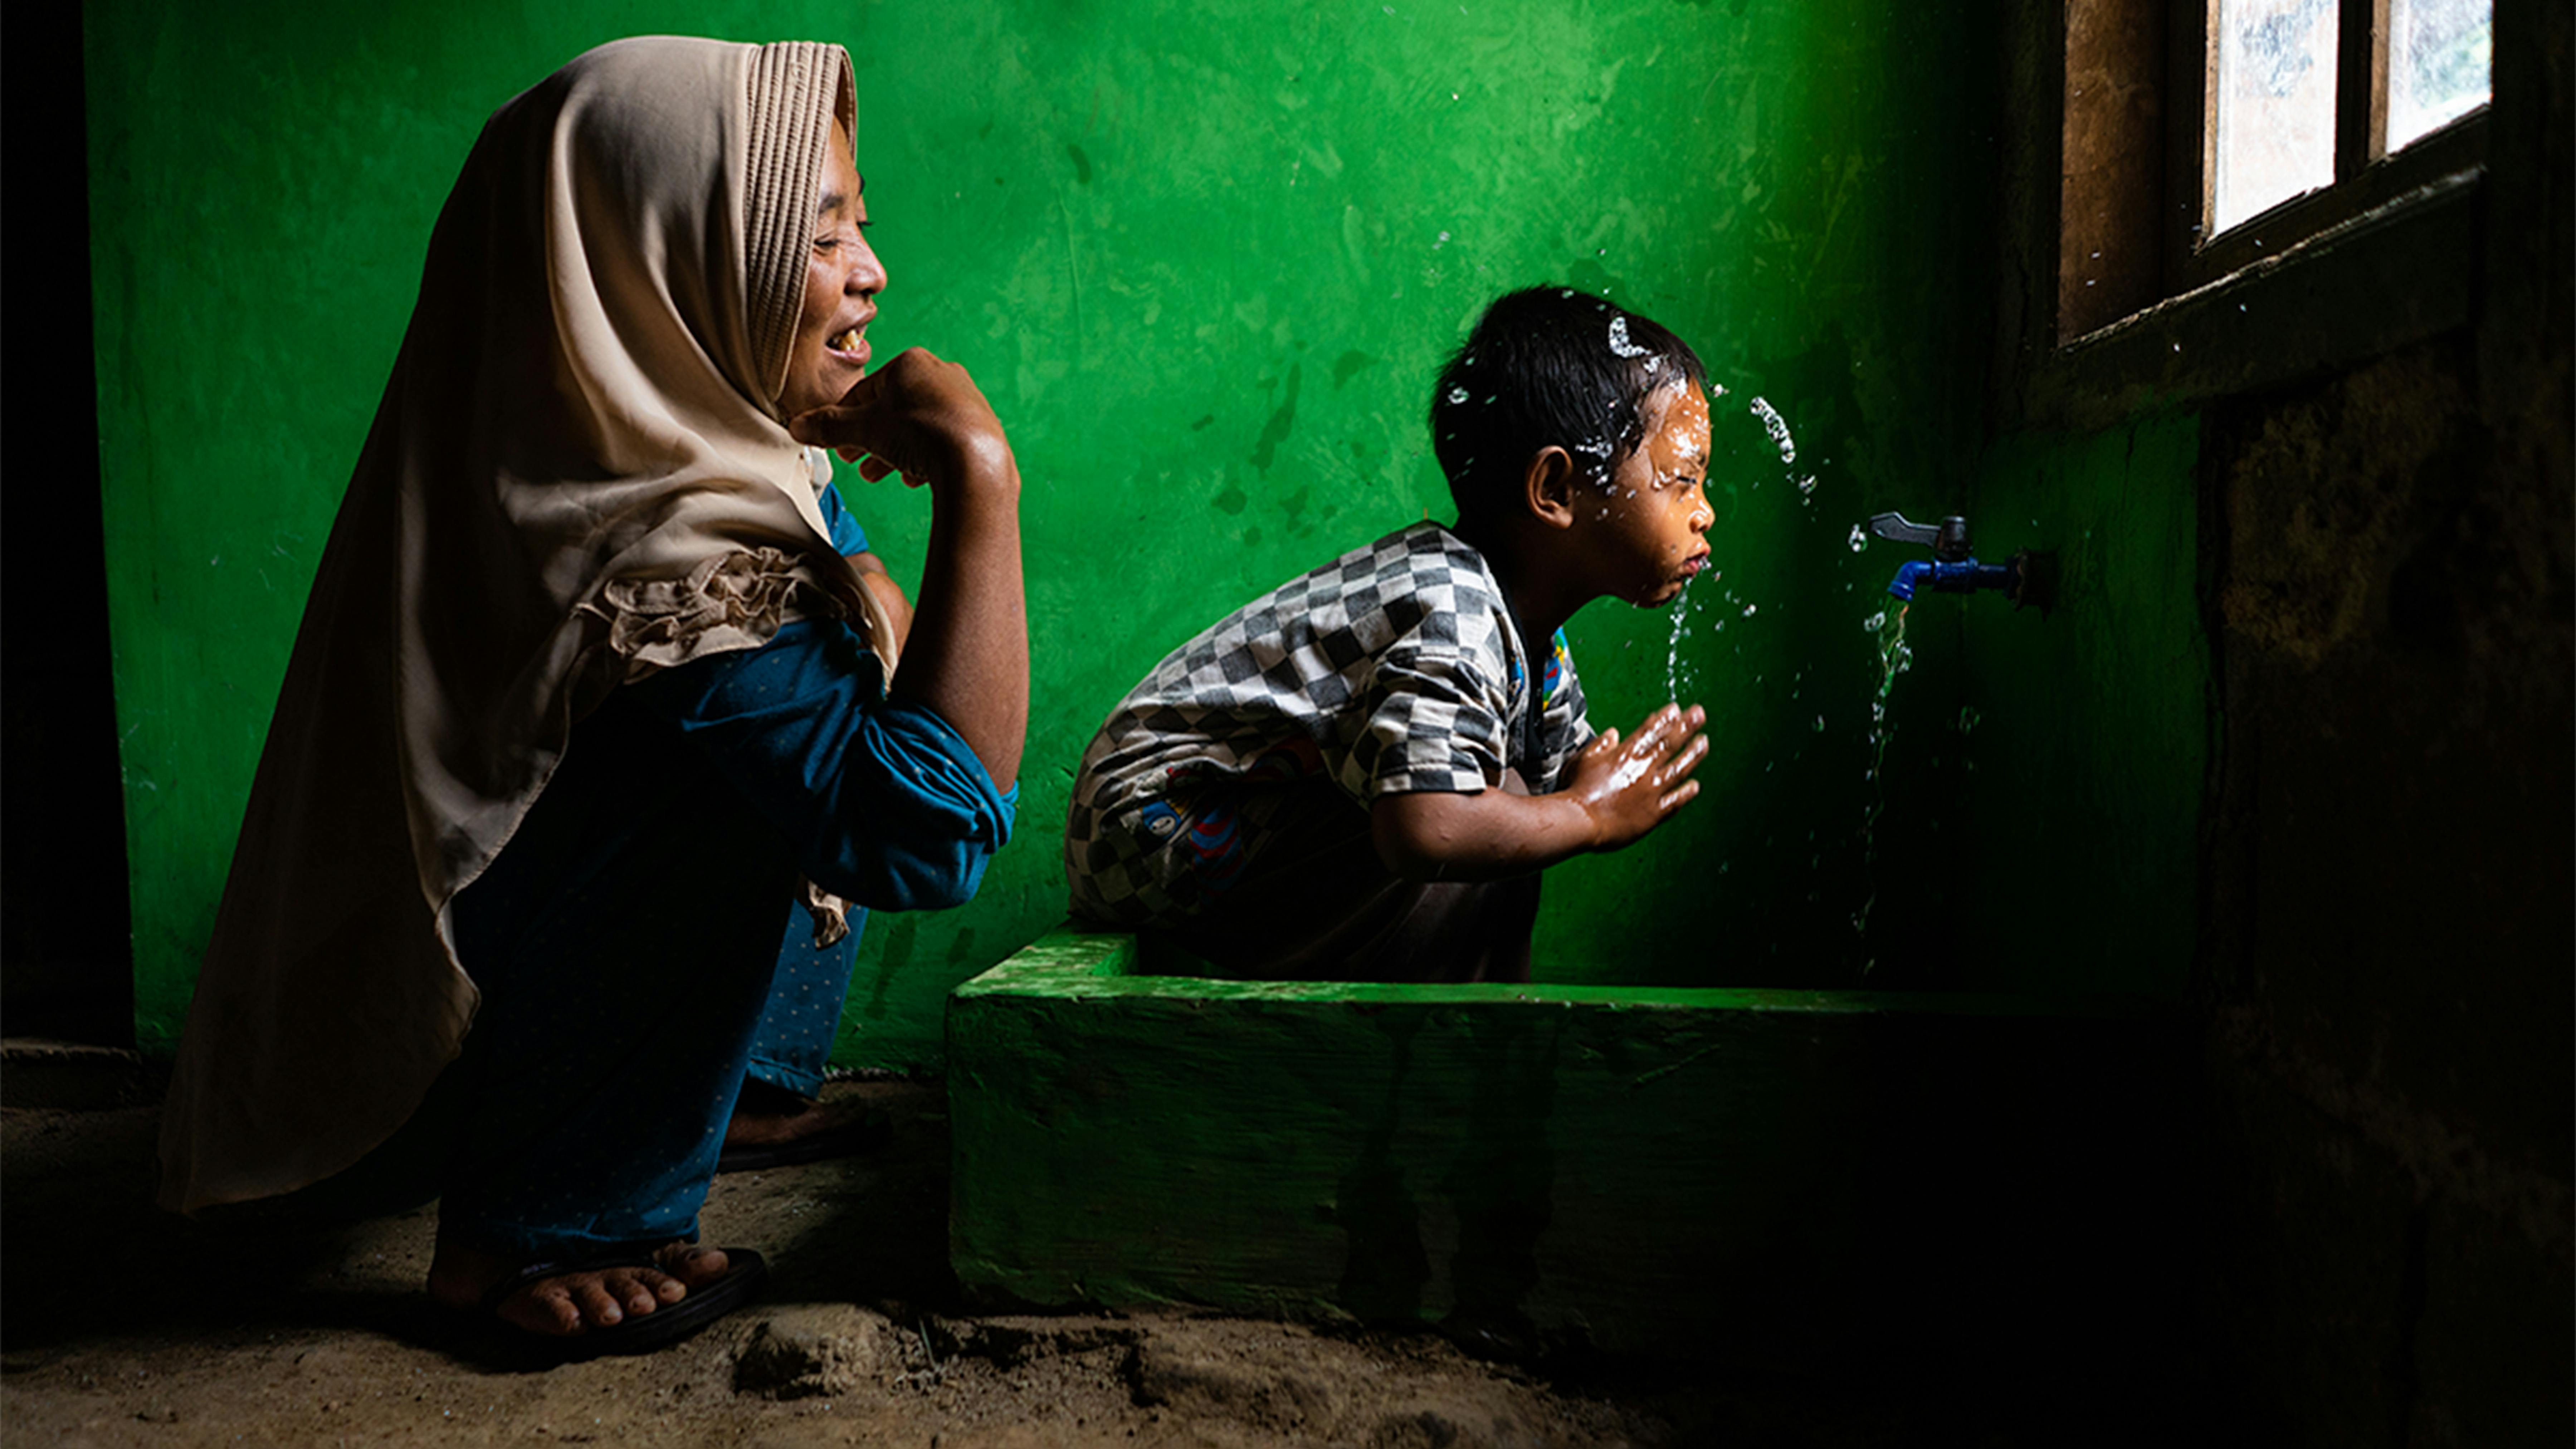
[(2437, 63), (2273, 103)]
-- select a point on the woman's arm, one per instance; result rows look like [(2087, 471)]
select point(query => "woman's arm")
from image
[(968, 656), (880, 584)]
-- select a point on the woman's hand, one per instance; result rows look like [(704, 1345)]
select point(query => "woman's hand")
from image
[(917, 416)]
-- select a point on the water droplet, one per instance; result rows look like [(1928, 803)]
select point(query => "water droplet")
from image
[(1458, 395), (1748, 610), (1859, 540), (1875, 622), (1820, 724), (1620, 346), (1777, 426)]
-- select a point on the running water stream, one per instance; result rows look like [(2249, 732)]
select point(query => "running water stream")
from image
[(1895, 657)]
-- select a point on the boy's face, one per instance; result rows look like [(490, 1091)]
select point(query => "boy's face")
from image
[(1646, 533)]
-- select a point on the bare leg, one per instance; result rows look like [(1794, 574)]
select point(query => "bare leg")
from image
[(767, 1116)]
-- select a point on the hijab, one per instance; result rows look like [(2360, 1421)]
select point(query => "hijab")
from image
[(578, 475)]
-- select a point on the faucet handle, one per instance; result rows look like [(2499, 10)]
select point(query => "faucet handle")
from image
[(1948, 540)]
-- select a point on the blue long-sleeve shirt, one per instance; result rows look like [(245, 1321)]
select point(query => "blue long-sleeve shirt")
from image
[(882, 799)]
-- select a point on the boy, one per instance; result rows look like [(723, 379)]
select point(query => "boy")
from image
[(1358, 775)]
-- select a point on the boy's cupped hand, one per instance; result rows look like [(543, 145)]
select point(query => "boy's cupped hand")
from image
[(917, 416), (1629, 785)]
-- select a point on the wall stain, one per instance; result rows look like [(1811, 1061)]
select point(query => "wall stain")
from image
[(1503, 1183), (1081, 164), (894, 952), (1387, 1266), (1275, 431)]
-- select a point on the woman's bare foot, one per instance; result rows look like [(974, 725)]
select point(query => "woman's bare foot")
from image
[(767, 1116), (572, 1303)]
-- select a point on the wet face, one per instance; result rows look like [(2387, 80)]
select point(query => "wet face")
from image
[(842, 279), (1648, 527)]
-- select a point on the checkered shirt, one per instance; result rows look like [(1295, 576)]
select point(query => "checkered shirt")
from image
[(1395, 668)]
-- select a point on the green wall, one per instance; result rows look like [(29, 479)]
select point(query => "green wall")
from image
[(2087, 737), (1203, 259)]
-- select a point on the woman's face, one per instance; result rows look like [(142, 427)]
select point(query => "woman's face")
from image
[(842, 279)]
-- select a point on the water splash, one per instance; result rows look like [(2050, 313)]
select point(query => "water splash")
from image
[(1858, 539), (1620, 346), (1778, 427), (1679, 683)]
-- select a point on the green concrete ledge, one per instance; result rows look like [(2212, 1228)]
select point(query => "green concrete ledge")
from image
[(1635, 1170)]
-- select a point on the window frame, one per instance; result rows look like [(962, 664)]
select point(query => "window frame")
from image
[(2125, 308), (2366, 173)]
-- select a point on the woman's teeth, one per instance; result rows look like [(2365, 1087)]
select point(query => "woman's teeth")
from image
[(845, 341)]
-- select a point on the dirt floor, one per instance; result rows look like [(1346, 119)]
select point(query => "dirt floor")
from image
[(122, 1326)]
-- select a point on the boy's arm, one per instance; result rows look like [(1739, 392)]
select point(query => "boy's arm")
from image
[(1621, 789)]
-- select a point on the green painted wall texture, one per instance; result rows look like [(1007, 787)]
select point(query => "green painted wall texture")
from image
[(1203, 259)]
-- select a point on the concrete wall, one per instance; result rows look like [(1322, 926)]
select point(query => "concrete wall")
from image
[(2358, 473)]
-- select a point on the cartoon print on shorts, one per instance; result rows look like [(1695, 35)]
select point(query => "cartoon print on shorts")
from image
[(1210, 823)]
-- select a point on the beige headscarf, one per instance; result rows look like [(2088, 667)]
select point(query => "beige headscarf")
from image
[(578, 475)]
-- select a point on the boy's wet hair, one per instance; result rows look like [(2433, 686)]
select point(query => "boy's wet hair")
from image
[(1549, 365)]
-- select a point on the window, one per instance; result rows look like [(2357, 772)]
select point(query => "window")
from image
[(2204, 136)]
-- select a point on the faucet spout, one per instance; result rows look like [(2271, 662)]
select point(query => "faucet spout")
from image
[(1964, 577), (2030, 578)]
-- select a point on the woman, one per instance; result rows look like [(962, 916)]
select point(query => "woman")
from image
[(583, 688)]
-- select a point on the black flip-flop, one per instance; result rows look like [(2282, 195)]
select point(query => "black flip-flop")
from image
[(745, 1272), (866, 1132)]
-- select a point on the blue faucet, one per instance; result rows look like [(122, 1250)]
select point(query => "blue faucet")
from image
[(1951, 570)]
